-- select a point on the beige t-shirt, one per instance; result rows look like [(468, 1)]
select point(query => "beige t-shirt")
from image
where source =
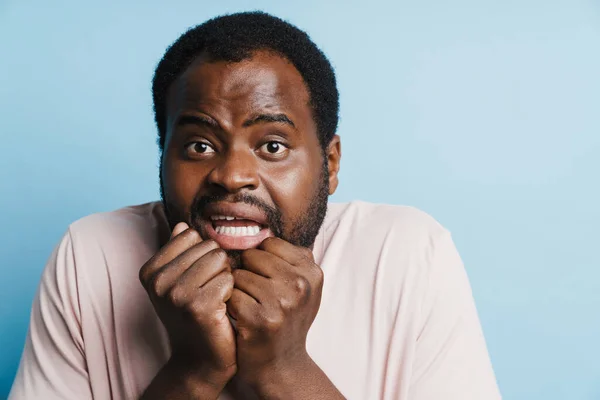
[(397, 318)]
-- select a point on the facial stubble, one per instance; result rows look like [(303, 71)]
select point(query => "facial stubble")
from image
[(304, 229)]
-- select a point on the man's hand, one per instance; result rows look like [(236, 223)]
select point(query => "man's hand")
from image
[(276, 298), (189, 281)]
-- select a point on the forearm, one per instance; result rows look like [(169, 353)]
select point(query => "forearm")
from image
[(306, 381), (175, 381)]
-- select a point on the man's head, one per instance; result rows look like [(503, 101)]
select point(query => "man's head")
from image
[(246, 107)]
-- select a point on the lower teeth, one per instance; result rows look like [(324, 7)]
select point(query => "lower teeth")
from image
[(237, 231)]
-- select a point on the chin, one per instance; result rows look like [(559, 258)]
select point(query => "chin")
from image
[(235, 258)]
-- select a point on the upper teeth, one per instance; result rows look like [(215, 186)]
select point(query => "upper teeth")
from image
[(217, 217), (251, 230)]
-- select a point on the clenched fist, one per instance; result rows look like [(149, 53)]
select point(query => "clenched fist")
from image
[(275, 300), (189, 282)]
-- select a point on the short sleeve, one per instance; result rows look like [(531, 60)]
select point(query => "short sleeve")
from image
[(53, 364), (451, 358)]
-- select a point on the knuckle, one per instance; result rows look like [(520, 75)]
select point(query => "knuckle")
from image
[(177, 296), (229, 278), (144, 274), (219, 254), (319, 275), (272, 322), (197, 309), (156, 285), (301, 286), (210, 244), (245, 334), (212, 319), (239, 275), (147, 270), (287, 304)]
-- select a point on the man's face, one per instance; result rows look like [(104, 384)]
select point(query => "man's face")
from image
[(242, 160)]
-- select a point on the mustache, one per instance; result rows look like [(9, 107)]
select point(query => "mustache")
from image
[(272, 214)]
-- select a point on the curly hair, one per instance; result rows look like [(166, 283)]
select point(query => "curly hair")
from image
[(236, 37)]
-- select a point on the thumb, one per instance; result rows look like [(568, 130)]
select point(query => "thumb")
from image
[(180, 227)]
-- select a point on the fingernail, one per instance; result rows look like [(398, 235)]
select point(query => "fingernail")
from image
[(180, 227)]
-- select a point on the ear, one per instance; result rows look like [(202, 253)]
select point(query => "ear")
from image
[(334, 155)]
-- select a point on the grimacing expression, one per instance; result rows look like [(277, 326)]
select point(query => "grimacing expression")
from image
[(242, 159)]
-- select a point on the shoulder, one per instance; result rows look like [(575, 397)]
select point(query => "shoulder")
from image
[(382, 255), (394, 243), (97, 247), (378, 221), (119, 241), (136, 220), (129, 229)]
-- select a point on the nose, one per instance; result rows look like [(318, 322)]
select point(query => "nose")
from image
[(235, 170)]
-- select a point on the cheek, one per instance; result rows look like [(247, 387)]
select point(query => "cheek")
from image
[(293, 187), (181, 182)]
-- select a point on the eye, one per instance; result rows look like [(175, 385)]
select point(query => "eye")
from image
[(199, 148), (274, 148)]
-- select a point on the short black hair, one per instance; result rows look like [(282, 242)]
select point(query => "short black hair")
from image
[(235, 37)]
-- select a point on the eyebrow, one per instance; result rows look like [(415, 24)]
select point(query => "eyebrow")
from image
[(197, 120), (267, 118), (207, 121)]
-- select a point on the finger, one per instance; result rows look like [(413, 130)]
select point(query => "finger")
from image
[(264, 263), (294, 255), (177, 245), (220, 287), (168, 252), (199, 274), (165, 277), (180, 227), (217, 291), (257, 286), (242, 307)]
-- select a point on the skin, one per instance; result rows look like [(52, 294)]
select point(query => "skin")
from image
[(273, 291)]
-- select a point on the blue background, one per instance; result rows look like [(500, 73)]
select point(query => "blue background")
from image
[(486, 114)]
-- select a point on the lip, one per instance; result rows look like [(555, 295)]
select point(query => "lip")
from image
[(227, 242), (237, 210)]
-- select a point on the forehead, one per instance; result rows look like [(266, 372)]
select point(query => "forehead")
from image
[(232, 90)]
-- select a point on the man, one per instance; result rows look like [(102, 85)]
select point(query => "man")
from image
[(252, 285)]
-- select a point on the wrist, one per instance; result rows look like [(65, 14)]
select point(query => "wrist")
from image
[(278, 379), (180, 380), (199, 378)]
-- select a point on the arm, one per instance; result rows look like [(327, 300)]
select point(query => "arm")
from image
[(290, 382), (53, 364), (451, 360), (188, 282), (275, 300), (178, 381)]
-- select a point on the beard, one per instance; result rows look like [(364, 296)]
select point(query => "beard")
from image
[(302, 231)]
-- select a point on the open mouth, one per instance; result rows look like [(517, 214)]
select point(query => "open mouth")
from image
[(232, 226), (235, 226)]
